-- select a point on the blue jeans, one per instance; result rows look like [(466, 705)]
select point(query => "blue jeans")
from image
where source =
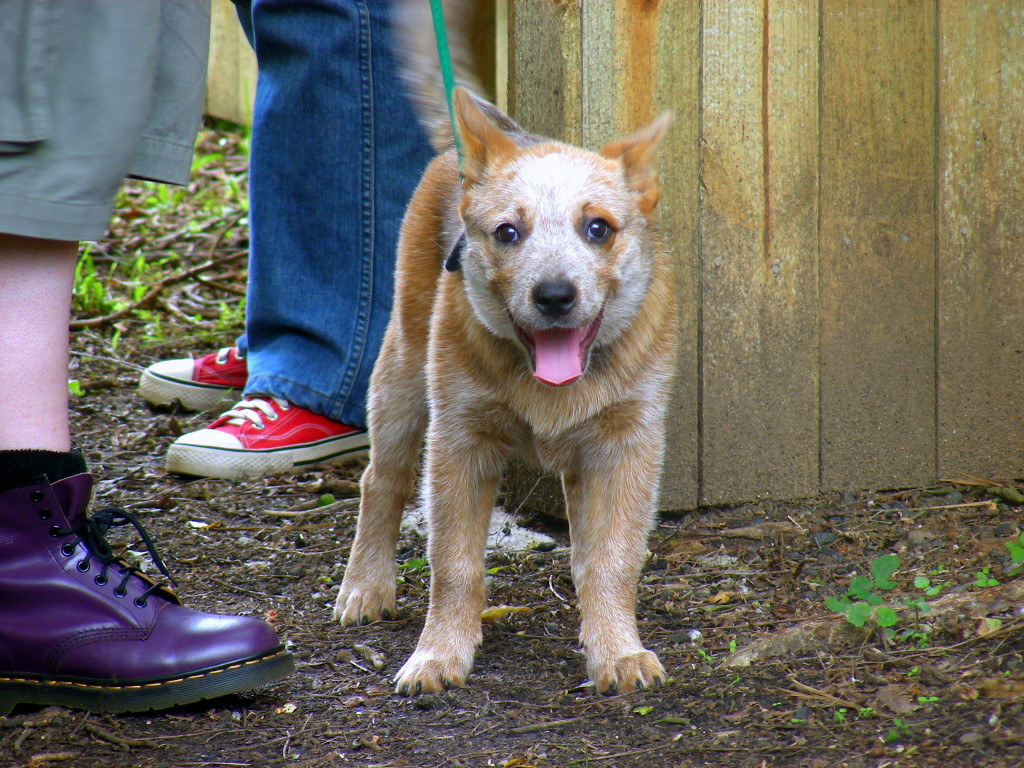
[(336, 153)]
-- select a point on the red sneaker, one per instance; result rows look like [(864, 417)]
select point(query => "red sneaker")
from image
[(261, 436), (205, 384)]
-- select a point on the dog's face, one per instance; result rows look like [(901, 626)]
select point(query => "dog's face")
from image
[(556, 254)]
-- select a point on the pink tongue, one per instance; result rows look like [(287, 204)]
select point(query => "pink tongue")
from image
[(558, 355)]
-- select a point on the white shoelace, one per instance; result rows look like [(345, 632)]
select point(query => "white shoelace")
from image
[(254, 410), (223, 352)]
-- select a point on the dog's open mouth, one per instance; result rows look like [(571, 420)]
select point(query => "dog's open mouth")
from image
[(559, 355)]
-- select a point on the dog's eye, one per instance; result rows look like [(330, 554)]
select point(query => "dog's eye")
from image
[(598, 231), (506, 233)]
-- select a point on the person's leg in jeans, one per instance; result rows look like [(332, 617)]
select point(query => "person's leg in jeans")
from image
[(336, 153)]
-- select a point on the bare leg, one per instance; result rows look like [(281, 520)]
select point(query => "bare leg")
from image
[(36, 279)]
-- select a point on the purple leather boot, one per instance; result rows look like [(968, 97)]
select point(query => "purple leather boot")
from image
[(81, 628)]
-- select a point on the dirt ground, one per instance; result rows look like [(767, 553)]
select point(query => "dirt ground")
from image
[(944, 686)]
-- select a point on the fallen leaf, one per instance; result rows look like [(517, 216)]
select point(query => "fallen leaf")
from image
[(737, 717), (365, 652), (1000, 688), (895, 699), (501, 611), (675, 720), (723, 597), (987, 626), (689, 547), (371, 742)]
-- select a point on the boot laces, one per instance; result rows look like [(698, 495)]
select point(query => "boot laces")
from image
[(92, 532)]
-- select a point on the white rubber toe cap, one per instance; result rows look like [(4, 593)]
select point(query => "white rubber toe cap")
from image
[(180, 369), (168, 381), (210, 438)]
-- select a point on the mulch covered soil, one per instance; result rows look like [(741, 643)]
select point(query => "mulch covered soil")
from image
[(732, 599)]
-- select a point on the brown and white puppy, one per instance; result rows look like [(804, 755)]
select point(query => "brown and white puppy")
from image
[(534, 316)]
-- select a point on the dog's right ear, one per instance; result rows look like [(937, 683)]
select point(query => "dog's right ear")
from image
[(636, 154), (483, 142)]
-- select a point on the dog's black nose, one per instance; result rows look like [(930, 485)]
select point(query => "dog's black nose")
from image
[(554, 298)]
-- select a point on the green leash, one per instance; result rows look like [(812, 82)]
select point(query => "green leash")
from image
[(441, 37)]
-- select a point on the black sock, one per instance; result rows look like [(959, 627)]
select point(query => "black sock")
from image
[(17, 467)]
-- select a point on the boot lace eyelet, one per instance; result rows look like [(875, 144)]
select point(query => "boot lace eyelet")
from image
[(139, 603), (45, 514), (37, 496), (91, 533)]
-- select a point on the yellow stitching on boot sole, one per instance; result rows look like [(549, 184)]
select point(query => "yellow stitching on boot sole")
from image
[(73, 684)]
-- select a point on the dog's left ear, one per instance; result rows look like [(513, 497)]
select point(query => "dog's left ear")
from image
[(636, 153), (483, 142)]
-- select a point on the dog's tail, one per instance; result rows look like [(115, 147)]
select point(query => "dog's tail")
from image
[(421, 69)]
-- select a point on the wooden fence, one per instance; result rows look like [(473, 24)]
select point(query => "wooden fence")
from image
[(844, 191)]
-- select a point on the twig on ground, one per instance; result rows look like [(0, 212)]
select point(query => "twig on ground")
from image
[(803, 691), (118, 741), (534, 727)]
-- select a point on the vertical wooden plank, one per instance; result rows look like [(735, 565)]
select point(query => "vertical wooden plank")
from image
[(981, 238), (544, 67), (759, 240), (676, 81), (790, 330), (231, 74), (638, 60), (501, 54), (877, 281)]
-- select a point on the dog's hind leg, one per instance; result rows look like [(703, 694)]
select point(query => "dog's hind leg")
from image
[(397, 419), (610, 491)]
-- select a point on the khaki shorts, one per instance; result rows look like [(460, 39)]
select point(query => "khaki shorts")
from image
[(93, 91)]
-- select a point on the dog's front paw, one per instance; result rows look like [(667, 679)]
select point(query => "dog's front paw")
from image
[(364, 602), (631, 672), (429, 672)]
